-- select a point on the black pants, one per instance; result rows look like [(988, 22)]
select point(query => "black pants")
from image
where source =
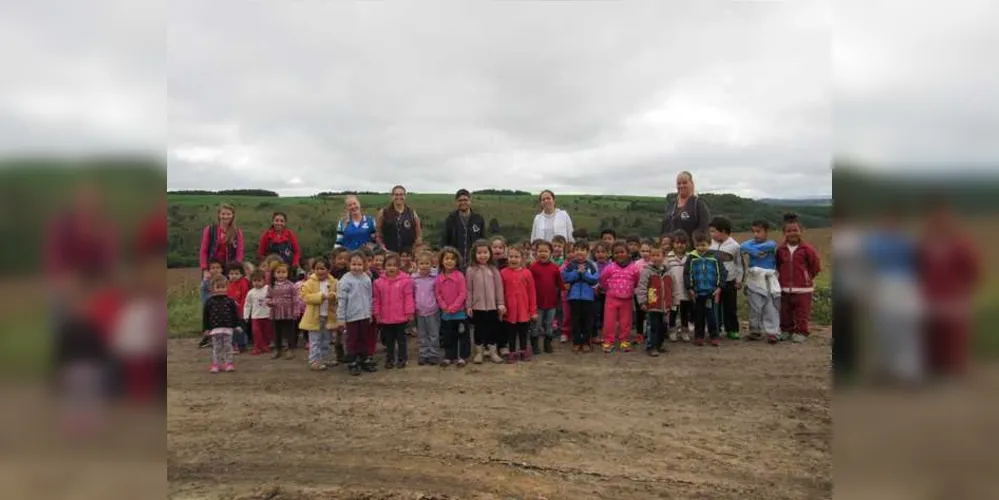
[(639, 318), (487, 327), (598, 312), (457, 345), (844, 355), (285, 330), (581, 314), (394, 336), (729, 312), (516, 336), (704, 312), (657, 328), (682, 314)]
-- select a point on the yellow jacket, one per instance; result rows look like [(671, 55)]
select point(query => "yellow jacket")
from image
[(313, 298)]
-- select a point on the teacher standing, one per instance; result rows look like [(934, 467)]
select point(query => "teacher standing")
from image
[(398, 225), (551, 221), (354, 229), (687, 211), (463, 227)]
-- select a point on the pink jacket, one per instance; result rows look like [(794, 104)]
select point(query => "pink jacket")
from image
[(393, 299), (619, 282), (451, 292), (299, 301), (519, 294)]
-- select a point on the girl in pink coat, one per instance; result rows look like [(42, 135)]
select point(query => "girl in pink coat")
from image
[(393, 307), (521, 306), (618, 280)]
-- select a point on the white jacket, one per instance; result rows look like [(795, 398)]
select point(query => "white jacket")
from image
[(256, 306), (561, 225)]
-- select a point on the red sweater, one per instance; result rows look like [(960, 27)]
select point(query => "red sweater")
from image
[(237, 291), (519, 295), (284, 244), (548, 283), (796, 272)]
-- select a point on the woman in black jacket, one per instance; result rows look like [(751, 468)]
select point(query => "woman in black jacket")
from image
[(463, 226), (686, 211)]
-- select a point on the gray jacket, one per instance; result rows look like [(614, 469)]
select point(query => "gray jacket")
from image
[(354, 295)]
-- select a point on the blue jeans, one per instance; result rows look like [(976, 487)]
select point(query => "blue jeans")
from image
[(544, 327), (319, 342)]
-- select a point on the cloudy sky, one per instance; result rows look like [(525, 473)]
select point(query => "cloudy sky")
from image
[(593, 96)]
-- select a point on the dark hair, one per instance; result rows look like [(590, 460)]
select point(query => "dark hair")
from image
[(391, 256), (258, 275), (337, 251), (475, 250), (358, 254), (618, 244), (322, 260), (680, 235), (216, 261), (599, 246), (608, 231), (791, 218), (218, 280), (633, 239), (282, 214), (367, 252), (721, 223), (462, 192), (236, 266), (647, 241), (762, 224), (519, 250), (701, 236), (655, 246), (407, 251), (378, 251), (580, 234), (549, 191), (450, 251), (388, 213), (542, 243), (581, 245), (558, 238)]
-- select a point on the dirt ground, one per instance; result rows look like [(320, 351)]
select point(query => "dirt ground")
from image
[(743, 421)]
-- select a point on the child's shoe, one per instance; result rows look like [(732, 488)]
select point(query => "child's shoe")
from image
[(400, 365), (548, 345), (460, 363), (698, 342), (256, 352), (504, 352), (608, 347), (652, 352), (289, 354), (511, 357), (534, 346), (577, 349), (206, 341), (229, 367), (214, 368), (785, 336), (389, 364), (772, 338), (317, 366), (716, 342), (564, 338), (477, 356), (276, 355), (734, 336), (494, 355), (369, 365), (354, 368), (446, 363), (626, 346), (587, 348), (525, 355), (755, 336), (421, 362), (673, 337), (798, 338)]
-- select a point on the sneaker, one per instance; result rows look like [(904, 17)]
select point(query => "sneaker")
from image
[(661, 349), (317, 366), (511, 357), (673, 337), (214, 368), (784, 336), (206, 341), (754, 336), (229, 367), (608, 347), (422, 362), (698, 342), (289, 354), (276, 355), (773, 339), (652, 352), (798, 338), (587, 348), (400, 365), (564, 338), (640, 339), (460, 363), (369, 365), (446, 363), (389, 364), (524, 355), (685, 337), (354, 369), (477, 357), (716, 342), (626, 346), (577, 349), (734, 336), (690, 328)]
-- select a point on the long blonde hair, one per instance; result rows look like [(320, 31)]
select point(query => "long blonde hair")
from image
[(230, 232), (346, 212), (690, 177)]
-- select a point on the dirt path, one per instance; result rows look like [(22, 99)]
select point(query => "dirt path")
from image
[(744, 421)]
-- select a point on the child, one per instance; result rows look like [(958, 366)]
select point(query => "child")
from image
[(498, 246), (406, 265), (521, 299), (435, 259), (704, 276), (238, 287), (339, 258), (214, 269), (762, 287), (608, 237), (548, 284), (378, 261), (634, 247), (797, 266), (319, 319), (666, 242), (618, 281), (451, 293), (220, 318), (393, 307), (580, 276), (428, 320), (600, 251), (300, 303), (561, 312), (676, 261), (728, 251), (256, 310), (485, 301), (355, 294), (641, 327), (655, 297), (283, 298), (558, 250)]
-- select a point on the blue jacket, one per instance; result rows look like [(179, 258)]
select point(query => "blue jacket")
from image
[(703, 273), (580, 283)]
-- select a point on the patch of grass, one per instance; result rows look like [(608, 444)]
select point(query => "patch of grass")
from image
[(25, 344)]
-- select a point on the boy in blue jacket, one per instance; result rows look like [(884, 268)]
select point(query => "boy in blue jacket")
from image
[(580, 275), (703, 276)]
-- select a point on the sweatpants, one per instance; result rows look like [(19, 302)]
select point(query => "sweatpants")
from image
[(430, 329), (617, 319), (285, 330), (265, 334), (728, 310), (657, 329), (581, 314), (357, 343), (487, 327), (764, 312), (457, 342), (795, 311), (516, 336), (221, 348), (683, 315), (372, 338), (319, 342), (704, 316), (639, 319), (543, 327), (598, 314), (396, 344)]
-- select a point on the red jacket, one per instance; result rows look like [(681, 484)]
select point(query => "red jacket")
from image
[(548, 284), (797, 272), (284, 244), (519, 294), (948, 270), (238, 290)]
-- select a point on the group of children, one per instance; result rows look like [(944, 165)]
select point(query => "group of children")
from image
[(514, 298)]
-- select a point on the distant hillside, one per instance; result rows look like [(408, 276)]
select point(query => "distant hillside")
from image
[(314, 218), (798, 202)]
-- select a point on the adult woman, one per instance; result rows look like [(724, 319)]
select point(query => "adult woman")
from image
[(687, 212), (222, 241), (551, 221), (280, 240), (354, 229), (398, 225)]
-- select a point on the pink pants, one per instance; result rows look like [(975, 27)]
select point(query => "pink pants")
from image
[(566, 325), (617, 312)]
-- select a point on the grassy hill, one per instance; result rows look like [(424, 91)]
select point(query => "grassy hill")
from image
[(314, 219)]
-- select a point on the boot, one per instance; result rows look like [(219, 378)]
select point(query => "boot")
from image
[(369, 365), (494, 355), (534, 346), (548, 345), (477, 355), (338, 349)]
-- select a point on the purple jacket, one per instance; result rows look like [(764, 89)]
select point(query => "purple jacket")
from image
[(425, 291)]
